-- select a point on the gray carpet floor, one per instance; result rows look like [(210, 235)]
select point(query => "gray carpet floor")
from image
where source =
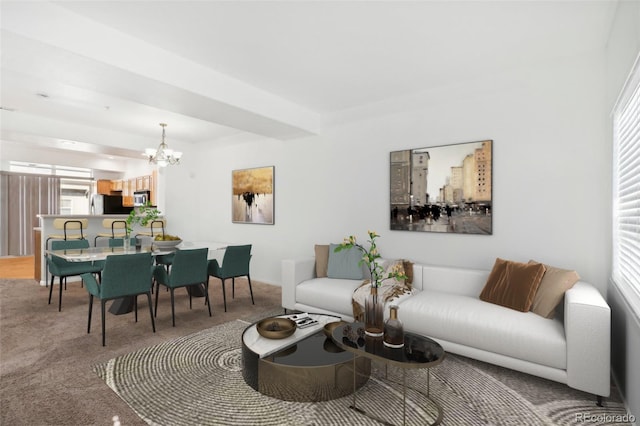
[(197, 379), (49, 364), (46, 356)]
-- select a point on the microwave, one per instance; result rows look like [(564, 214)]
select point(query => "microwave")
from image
[(141, 198)]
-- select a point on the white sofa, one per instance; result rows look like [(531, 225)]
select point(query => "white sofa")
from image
[(573, 348)]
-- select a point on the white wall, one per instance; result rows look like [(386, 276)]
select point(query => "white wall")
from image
[(622, 51), (552, 168)]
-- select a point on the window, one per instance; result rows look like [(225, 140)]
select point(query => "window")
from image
[(49, 169), (75, 183), (626, 191)]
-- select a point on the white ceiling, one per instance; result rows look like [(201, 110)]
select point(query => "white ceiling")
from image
[(113, 70)]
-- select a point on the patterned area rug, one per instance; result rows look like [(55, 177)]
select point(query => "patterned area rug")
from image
[(197, 380)]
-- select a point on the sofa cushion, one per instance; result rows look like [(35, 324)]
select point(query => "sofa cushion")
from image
[(344, 264), (555, 282), (471, 322), (330, 294), (462, 281), (322, 259), (513, 284)]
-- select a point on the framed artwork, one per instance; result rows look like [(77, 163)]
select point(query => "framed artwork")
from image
[(252, 195), (443, 189)]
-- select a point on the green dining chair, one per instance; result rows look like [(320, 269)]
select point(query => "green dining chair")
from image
[(235, 263), (189, 268), (119, 242), (61, 268), (127, 275)]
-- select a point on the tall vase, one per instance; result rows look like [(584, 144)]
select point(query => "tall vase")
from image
[(126, 244), (393, 330), (373, 314)]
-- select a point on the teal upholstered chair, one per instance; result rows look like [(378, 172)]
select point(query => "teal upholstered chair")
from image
[(165, 259), (127, 275), (235, 263), (189, 268), (119, 242), (59, 267)]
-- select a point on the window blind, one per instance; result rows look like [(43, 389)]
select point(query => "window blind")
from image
[(626, 192)]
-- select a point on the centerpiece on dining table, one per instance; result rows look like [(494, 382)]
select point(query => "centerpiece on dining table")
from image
[(374, 306), (145, 215)]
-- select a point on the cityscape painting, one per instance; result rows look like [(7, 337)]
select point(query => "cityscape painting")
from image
[(443, 189), (252, 197)]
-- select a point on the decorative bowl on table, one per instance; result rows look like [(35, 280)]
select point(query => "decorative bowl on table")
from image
[(166, 244), (330, 326), (276, 327)]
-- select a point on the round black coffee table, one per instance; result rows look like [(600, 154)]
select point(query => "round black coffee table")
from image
[(307, 366)]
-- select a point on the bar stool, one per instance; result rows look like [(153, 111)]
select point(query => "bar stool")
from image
[(72, 229), (155, 227), (118, 229)]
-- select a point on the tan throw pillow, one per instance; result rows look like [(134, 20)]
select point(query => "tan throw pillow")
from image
[(408, 271), (513, 284), (554, 284), (322, 259)]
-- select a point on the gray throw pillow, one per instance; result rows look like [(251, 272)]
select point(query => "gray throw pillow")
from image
[(344, 264)]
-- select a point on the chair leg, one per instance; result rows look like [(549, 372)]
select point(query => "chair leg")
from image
[(173, 313), (102, 303), (189, 292), (60, 296), (206, 295), (224, 296), (250, 290), (51, 288), (135, 307), (90, 309), (153, 323), (157, 293)]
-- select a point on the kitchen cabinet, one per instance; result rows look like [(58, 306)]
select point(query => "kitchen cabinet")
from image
[(143, 183), (116, 186), (139, 183), (104, 187), (153, 181), (128, 188)]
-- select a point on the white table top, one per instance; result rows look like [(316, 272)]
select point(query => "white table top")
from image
[(216, 251), (265, 347)]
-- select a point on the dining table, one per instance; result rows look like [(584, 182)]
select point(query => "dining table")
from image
[(125, 305)]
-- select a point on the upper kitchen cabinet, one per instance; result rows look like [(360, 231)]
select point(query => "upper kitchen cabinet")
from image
[(104, 187), (116, 186), (140, 183)]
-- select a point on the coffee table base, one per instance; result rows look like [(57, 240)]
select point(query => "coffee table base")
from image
[(434, 407), (310, 384)]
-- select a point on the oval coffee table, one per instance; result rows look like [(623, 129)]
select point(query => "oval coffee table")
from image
[(418, 352), (307, 366)]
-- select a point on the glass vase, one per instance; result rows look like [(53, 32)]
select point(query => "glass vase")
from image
[(126, 244), (373, 314), (393, 330)]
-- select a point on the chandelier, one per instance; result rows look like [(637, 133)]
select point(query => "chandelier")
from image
[(163, 155)]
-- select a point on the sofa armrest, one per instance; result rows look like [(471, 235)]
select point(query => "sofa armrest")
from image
[(295, 271), (587, 323)]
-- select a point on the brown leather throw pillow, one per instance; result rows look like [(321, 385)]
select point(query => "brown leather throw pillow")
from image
[(513, 284)]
